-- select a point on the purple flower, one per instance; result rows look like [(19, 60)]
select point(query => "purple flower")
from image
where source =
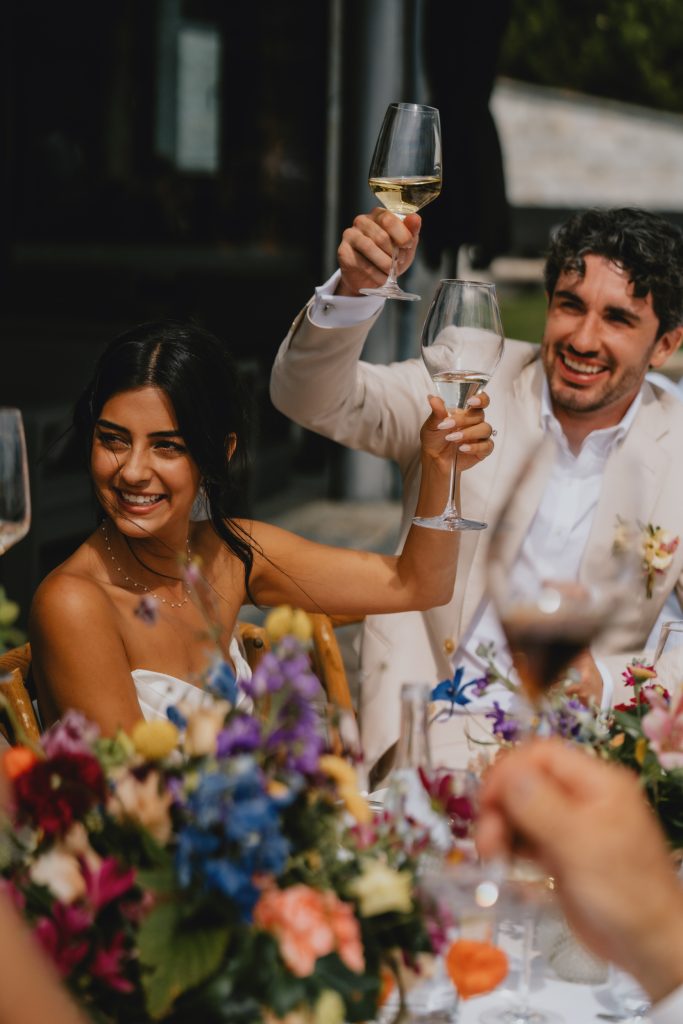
[(72, 734), (148, 609), (241, 734), (266, 678), (504, 726)]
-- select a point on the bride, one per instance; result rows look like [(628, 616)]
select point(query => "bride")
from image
[(162, 422)]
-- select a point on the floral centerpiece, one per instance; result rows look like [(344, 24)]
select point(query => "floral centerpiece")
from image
[(218, 866), (645, 734)]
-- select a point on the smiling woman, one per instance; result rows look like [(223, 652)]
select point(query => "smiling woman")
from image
[(162, 422)]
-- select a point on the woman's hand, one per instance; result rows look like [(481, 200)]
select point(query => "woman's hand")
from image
[(465, 430)]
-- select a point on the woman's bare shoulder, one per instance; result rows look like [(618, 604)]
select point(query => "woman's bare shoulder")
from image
[(74, 587)]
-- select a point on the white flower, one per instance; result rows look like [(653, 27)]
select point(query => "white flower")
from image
[(61, 873), (144, 803), (203, 726)]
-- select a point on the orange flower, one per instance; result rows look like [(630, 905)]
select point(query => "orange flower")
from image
[(475, 967), (18, 760), (309, 924)]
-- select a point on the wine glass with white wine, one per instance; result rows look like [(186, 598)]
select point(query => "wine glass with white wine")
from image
[(405, 172), (462, 342), (15, 501)]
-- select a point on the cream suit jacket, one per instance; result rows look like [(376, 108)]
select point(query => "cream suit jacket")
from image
[(319, 381)]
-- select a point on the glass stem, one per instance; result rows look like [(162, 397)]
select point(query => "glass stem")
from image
[(393, 272), (451, 509), (524, 988)]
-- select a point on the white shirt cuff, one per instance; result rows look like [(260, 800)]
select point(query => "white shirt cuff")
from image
[(669, 1010), (330, 310), (607, 685)]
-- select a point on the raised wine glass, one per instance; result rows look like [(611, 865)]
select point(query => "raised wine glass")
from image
[(405, 172), (462, 342), (15, 501)]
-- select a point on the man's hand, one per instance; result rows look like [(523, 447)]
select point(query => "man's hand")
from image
[(588, 686), (588, 825), (365, 250)]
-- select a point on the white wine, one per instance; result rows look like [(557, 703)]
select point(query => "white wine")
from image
[(405, 195), (456, 388)]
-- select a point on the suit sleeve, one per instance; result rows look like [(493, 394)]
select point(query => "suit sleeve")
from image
[(319, 381)]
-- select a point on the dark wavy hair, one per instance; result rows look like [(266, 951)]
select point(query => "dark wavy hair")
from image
[(648, 247), (196, 371)]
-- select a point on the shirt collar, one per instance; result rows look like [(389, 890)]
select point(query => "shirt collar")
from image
[(601, 441)]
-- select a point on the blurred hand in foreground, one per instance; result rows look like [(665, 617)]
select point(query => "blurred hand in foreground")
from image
[(588, 825)]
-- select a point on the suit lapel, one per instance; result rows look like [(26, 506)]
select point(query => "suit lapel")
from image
[(634, 477)]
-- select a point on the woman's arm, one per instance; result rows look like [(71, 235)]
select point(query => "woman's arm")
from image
[(314, 576), (78, 656)]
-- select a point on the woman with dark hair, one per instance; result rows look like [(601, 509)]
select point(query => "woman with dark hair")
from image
[(163, 422)]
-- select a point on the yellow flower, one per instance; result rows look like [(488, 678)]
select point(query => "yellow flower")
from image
[(329, 1008), (641, 673), (338, 769), (344, 774), (380, 889), (641, 750), (154, 740), (285, 620), (356, 804)]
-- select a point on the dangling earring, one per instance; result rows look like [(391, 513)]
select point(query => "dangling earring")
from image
[(200, 505)]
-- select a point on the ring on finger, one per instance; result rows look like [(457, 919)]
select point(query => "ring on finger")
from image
[(493, 433)]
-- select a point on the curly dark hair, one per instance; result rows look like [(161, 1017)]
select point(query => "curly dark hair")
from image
[(648, 247)]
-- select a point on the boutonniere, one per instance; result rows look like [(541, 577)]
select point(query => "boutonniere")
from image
[(655, 546)]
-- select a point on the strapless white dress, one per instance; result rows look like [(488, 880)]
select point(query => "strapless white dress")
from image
[(157, 691)]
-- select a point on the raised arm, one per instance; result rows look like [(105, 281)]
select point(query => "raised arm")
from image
[(341, 581), (378, 409)]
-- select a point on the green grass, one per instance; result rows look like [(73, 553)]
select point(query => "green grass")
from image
[(523, 313)]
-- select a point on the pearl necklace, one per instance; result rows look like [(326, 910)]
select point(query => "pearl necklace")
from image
[(141, 586)]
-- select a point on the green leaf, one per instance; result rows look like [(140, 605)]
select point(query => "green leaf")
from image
[(177, 956), (359, 991)]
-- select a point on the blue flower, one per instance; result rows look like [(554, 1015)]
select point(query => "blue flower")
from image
[(454, 690), (176, 717), (222, 682)]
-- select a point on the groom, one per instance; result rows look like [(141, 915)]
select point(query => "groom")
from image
[(614, 285)]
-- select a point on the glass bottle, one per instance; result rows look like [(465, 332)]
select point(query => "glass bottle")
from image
[(407, 799)]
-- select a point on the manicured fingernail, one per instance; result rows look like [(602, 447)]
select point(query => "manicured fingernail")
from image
[(465, 447), (446, 424), (455, 437), (474, 402)]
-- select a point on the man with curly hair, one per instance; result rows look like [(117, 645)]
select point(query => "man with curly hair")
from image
[(614, 284)]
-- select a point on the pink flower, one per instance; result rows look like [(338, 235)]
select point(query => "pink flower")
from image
[(107, 882), (309, 924), (663, 726), (64, 936), (107, 966)]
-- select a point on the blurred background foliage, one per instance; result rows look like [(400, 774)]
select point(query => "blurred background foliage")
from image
[(628, 50)]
